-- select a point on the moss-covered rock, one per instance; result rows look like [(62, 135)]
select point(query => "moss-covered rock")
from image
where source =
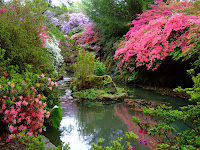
[(93, 81), (100, 95)]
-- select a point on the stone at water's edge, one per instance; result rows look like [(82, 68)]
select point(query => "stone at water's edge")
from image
[(48, 144), (111, 86), (140, 104)]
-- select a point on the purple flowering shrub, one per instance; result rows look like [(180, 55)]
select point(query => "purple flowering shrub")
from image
[(75, 20)]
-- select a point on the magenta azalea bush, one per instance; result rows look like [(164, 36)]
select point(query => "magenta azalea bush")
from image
[(75, 20), (156, 34)]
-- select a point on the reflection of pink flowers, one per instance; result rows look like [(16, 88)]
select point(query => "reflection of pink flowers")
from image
[(145, 141), (140, 130), (140, 141), (145, 131)]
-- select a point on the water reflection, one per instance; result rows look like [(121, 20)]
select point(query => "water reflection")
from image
[(83, 124), (88, 124)]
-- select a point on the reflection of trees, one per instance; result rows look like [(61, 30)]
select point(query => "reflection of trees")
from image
[(122, 112), (99, 123), (53, 135)]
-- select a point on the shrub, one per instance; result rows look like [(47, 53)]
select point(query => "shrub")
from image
[(55, 51), (165, 116), (157, 33), (85, 65), (90, 35), (75, 20), (20, 29), (25, 100), (99, 68)]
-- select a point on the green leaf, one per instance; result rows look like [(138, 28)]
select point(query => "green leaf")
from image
[(56, 116)]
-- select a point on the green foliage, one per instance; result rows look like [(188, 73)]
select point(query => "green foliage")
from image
[(131, 135), (99, 68), (85, 65), (189, 115), (19, 33), (56, 116), (77, 30), (176, 54), (59, 10), (30, 142), (90, 93), (117, 144), (112, 16)]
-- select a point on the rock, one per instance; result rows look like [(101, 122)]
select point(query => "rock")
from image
[(140, 104), (97, 81), (48, 144), (111, 86)]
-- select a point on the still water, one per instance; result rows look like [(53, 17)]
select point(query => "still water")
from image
[(84, 124)]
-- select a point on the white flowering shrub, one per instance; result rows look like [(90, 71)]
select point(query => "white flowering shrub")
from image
[(52, 47)]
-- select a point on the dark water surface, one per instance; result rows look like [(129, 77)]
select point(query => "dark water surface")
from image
[(83, 124)]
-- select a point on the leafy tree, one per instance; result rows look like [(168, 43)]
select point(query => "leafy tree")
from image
[(112, 15), (20, 35)]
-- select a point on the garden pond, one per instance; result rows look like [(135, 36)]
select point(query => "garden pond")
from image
[(84, 123)]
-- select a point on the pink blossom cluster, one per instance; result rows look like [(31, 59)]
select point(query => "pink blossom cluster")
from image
[(26, 112), (90, 35), (143, 130), (44, 36), (156, 33), (3, 9)]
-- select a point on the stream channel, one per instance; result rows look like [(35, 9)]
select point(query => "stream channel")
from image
[(84, 124)]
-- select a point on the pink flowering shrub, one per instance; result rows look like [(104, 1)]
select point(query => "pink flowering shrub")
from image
[(44, 36), (90, 35), (25, 101), (156, 34)]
